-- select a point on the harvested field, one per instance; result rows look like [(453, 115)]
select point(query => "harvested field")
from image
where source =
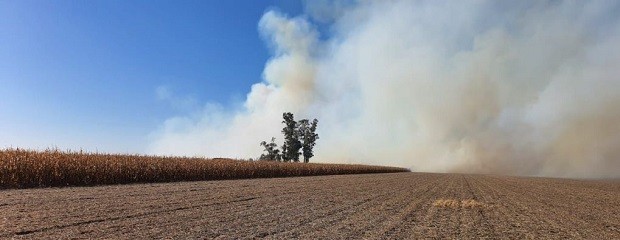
[(28, 169), (374, 206)]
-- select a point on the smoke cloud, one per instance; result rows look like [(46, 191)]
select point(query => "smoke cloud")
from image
[(508, 87)]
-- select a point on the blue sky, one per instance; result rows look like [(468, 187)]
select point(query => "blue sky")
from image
[(87, 73)]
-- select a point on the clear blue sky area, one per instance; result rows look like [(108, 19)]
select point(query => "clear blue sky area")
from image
[(86, 72)]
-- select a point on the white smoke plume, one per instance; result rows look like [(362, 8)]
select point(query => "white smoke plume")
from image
[(509, 87)]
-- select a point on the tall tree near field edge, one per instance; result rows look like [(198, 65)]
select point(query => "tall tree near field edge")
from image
[(307, 132), (291, 146), (297, 136)]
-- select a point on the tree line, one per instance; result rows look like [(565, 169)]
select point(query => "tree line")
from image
[(297, 136)]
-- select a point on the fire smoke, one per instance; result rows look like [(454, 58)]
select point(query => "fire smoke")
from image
[(525, 88)]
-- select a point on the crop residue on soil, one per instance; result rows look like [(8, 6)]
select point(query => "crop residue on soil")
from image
[(453, 203), (368, 206)]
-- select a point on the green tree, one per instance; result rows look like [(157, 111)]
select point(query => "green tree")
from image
[(291, 146), (308, 135), (273, 153)]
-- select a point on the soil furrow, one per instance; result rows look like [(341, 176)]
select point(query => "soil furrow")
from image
[(372, 206), (59, 227)]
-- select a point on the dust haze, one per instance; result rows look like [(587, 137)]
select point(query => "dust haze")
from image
[(523, 87)]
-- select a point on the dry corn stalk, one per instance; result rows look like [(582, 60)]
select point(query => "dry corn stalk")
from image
[(52, 168)]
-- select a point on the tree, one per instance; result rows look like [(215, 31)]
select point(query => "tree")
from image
[(273, 153), (297, 135), (307, 133), (291, 146)]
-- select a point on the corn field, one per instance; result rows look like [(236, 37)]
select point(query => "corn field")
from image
[(52, 168)]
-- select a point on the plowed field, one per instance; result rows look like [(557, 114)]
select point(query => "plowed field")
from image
[(374, 206)]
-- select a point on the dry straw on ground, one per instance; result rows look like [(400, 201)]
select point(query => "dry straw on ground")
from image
[(453, 203), (52, 168), (370, 206)]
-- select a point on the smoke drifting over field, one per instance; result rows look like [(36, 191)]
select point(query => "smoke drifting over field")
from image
[(530, 88)]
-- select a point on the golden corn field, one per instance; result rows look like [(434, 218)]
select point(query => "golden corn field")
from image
[(52, 168)]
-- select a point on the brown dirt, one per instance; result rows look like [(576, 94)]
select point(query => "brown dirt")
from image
[(377, 206)]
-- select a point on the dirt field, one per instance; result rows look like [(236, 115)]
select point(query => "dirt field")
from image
[(383, 206)]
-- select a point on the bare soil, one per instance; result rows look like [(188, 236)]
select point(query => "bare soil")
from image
[(373, 206)]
